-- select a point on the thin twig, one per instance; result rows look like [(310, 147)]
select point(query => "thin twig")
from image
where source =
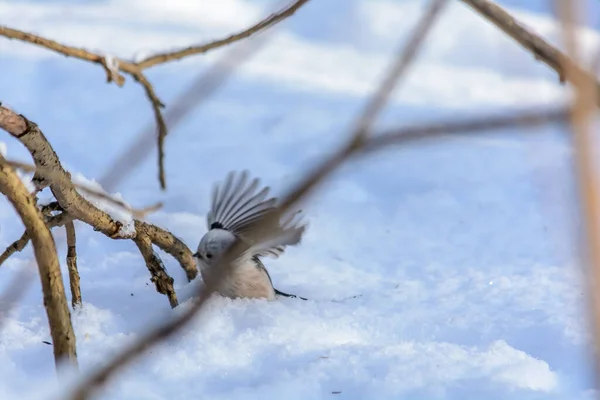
[(135, 69), (17, 245), (63, 189), (271, 20), (453, 128), (72, 265)]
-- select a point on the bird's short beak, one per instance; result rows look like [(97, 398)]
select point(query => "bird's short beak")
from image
[(196, 255)]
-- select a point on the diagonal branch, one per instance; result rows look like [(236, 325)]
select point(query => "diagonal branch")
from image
[(193, 50), (454, 127), (542, 50), (63, 189)]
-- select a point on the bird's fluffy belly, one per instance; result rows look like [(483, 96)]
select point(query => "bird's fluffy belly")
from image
[(249, 282)]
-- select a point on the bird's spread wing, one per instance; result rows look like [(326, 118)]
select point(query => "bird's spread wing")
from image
[(237, 205)]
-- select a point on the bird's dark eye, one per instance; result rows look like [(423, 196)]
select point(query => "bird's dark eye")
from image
[(208, 255)]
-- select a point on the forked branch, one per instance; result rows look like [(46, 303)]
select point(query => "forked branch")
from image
[(114, 67), (75, 205)]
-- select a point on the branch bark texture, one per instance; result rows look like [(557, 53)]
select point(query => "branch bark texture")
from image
[(72, 264), (75, 205)]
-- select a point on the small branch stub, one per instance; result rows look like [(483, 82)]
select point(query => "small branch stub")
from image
[(72, 265)]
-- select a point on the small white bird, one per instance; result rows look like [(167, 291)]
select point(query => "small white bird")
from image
[(236, 206)]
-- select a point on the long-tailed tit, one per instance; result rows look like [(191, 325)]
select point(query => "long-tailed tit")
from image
[(235, 208)]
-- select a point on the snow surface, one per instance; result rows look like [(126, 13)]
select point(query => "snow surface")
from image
[(462, 251)]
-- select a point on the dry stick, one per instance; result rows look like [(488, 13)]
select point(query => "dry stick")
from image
[(112, 71), (45, 158), (55, 301), (72, 265), (589, 193), (260, 232), (63, 189), (271, 20), (17, 245), (541, 49), (160, 278), (135, 69), (21, 243), (160, 123)]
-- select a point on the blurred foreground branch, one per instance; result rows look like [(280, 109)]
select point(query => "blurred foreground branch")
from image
[(583, 112), (541, 49)]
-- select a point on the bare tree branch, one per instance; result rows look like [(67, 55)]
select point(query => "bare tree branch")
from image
[(541, 49), (171, 245), (55, 301), (72, 265), (192, 50), (115, 65), (160, 277), (73, 203), (454, 127), (60, 183), (18, 245)]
